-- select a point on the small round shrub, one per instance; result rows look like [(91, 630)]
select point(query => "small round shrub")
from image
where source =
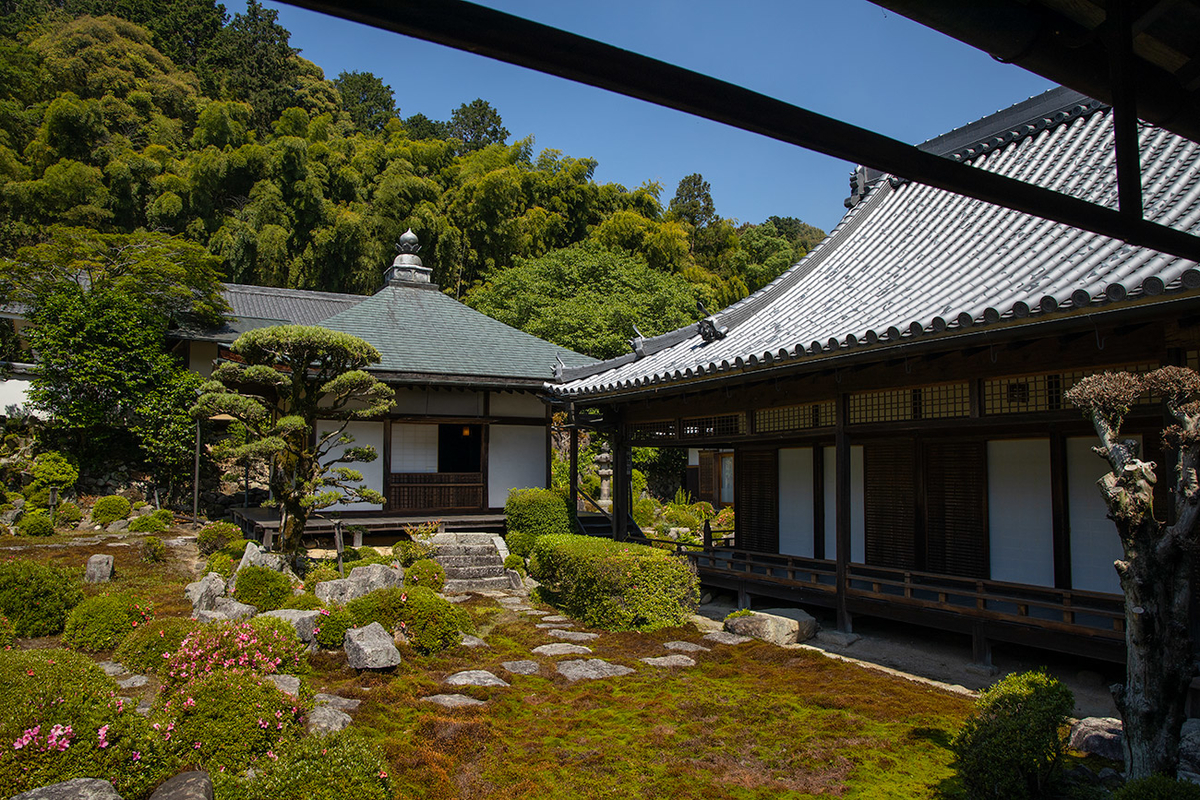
[(306, 601), (1157, 787), (643, 512), (153, 550), (7, 635), (332, 626), (152, 643), (54, 469), (382, 605), (108, 510), (220, 563), (216, 536), (638, 481), (334, 767), (36, 597), (427, 573), (147, 523), (432, 623), (101, 622), (67, 515), (408, 552), (35, 523), (350, 554), (530, 513), (235, 716), (320, 575), (515, 562), (1011, 746), (264, 648), (263, 588)]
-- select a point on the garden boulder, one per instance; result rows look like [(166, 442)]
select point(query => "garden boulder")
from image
[(1099, 736), (370, 647), (305, 622), (769, 627), (203, 593), (255, 556), (185, 786), (99, 569), (362, 580), (77, 789)]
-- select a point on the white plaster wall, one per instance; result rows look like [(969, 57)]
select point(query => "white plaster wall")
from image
[(201, 356), (447, 402), (516, 404), (1094, 542), (414, 448), (516, 460), (796, 501), (13, 392), (1020, 519), (693, 457), (858, 508), (365, 434)]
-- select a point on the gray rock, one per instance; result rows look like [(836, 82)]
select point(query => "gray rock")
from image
[(255, 556), (452, 700), (686, 647), (590, 669), (304, 622), (771, 627), (234, 610), (472, 641), (572, 636), (723, 637), (510, 601), (1189, 746), (675, 660), (522, 667), (288, 684), (1111, 778), (1099, 736), (99, 569), (185, 786), (837, 638), (203, 593), (534, 612), (561, 649), (112, 668), (211, 616), (522, 609), (118, 526), (475, 677), (77, 789), (133, 682), (370, 647), (1190, 777), (336, 701), (143, 707), (554, 625), (556, 618), (362, 580), (327, 719)]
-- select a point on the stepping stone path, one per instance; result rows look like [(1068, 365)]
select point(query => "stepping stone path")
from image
[(472, 641), (686, 647), (533, 612), (556, 618), (133, 682), (724, 637), (591, 669), (523, 667), (677, 660), (453, 700), (555, 625), (112, 668), (561, 649), (475, 677), (572, 636)]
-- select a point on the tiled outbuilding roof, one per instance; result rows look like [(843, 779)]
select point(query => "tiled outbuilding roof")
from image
[(261, 306), (911, 261)]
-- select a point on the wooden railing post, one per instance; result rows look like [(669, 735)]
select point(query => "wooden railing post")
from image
[(574, 461)]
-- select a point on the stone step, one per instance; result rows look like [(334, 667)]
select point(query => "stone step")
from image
[(500, 583), (464, 549), (469, 573), (470, 561)]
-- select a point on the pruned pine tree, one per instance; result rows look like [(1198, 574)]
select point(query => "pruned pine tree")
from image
[(291, 376)]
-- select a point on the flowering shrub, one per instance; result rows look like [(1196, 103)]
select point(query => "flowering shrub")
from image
[(426, 572), (153, 550), (431, 623), (151, 645), (331, 627), (216, 536), (409, 552), (306, 601), (101, 622), (221, 563), (110, 509), (67, 515), (238, 645), (335, 767), (7, 634), (61, 719), (36, 597), (319, 574), (157, 522)]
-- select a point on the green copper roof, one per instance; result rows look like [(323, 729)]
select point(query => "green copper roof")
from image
[(418, 329)]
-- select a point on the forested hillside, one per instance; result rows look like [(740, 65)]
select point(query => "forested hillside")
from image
[(175, 119)]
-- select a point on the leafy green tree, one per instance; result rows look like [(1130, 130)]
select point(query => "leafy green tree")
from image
[(255, 63), (367, 99), (290, 377), (419, 126), (798, 233), (162, 424), (184, 30), (477, 124), (693, 201)]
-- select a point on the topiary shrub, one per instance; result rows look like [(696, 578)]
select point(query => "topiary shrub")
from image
[(427, 573), (242, 645), (35, 523), (1011, 746), (147, 649), (147, 523), (50, 469), (61, 719), (67, 515), (1158, 787), (220, 563), (7, 635), (306, 601), (320, 575), (334, 767), (531, 513), (263, 588), (229, 719), (216, 536), (615, 585), (408, 551), (108, 510), (101, 622), (330, 632), (36, 597), (515, 562), (432, 623), (382, 605)]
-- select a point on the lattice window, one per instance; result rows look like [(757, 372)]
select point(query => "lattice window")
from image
[(646, 431), (708, 427), (888, 406), (796, 418), (1023, 394), (946, 400)]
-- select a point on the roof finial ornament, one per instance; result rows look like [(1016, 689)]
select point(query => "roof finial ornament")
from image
[(407, 269), (638, 342), (559, 366), (408, 243)]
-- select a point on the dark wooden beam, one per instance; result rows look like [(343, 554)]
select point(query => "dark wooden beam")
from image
[(842, 510)]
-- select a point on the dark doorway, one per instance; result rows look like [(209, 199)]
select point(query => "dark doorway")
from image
[(460, 448)]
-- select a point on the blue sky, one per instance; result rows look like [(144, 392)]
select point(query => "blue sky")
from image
[(848, 59)]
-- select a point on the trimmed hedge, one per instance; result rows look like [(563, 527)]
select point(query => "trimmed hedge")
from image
[(614, 585), (532, 513), (108, 510), (430, 622), (36, 597), (35, 523)]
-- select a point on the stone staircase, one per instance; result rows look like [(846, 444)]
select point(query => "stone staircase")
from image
[(474, 562)]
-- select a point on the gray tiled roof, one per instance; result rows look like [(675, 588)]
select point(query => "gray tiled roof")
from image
[(422, 331), (910, 261), (295, 306)]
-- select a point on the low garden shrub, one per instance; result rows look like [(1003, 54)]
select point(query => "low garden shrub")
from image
[(320, 574), (221, 563), (643, 512), (1010, 748), (408, 551), (101, 622), (216, 536), (332, 626), (531, 513), (431, 623), (382, 606), (35, 523), (154, 522), (234, 645), (514, 561), (37, 597), (228, 719), (68, 515), (350, 554), (425, 572), (152, 643), (335, 767), (153, 550), (263, 588), (108, 510), (615, 585), (7, 634), (61, 719), (1158, 787), (305, 602)]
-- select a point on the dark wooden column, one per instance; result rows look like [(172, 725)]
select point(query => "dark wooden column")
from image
[(842, 511), (622, 485), (387, 464), (574, 459)]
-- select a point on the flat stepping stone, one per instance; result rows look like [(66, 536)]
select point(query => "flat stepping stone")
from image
[(133, 682), (327, 719), (510, 601), (288, 684), (336, 701), (475, 677), (686, 647), (143, 707), (452, 700), (556, 618), (572, 636), (525, 667), (472, 641), (555, 625), (112, 668), (533, 612), (522, 609), (561, 649), (675, 660), (724, 637), (591, 669)]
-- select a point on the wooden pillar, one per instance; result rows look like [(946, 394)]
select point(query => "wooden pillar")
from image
[(387, 464), (981, 648), (549, 446), (842, 511), (574, 460), (622, 483)]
